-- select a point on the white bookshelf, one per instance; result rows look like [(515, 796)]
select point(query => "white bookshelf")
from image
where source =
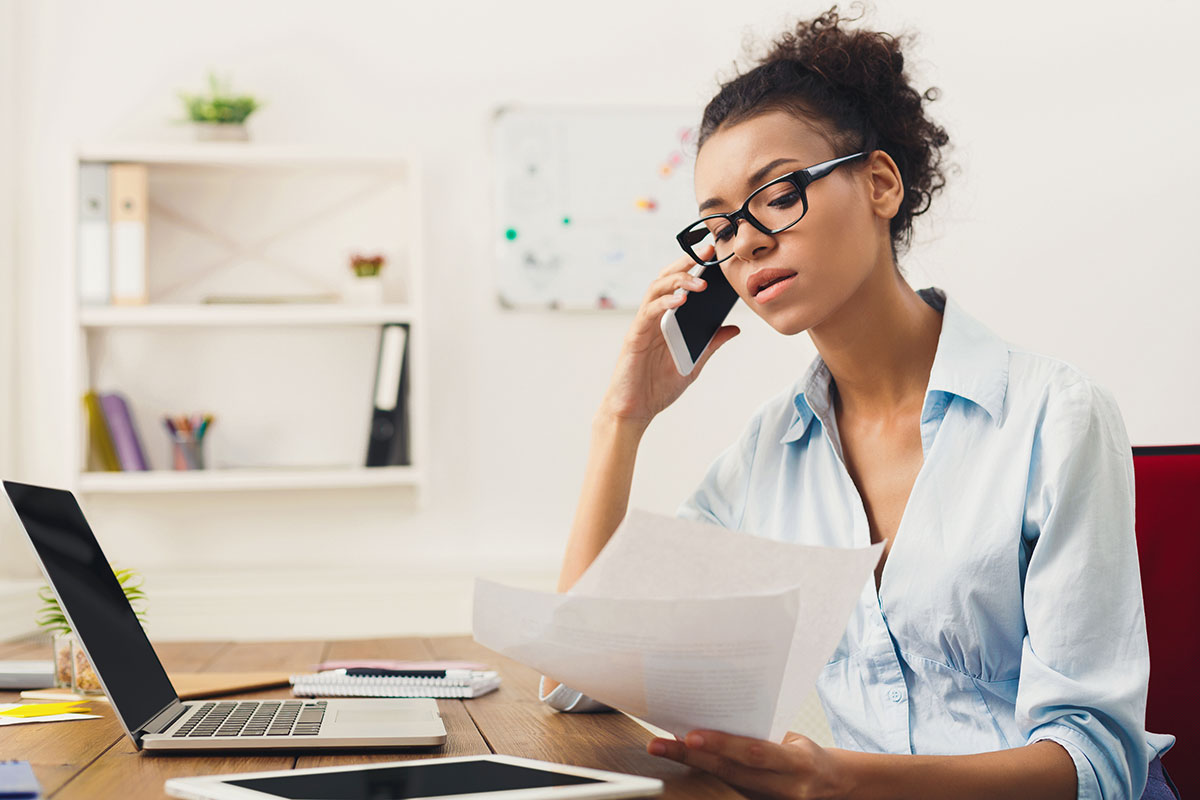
[(244, 154), (289, 383), (241, 315), (224, 480)]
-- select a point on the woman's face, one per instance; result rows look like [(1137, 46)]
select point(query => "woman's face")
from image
[(823, 258)]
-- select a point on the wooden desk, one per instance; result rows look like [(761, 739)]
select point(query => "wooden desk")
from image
[(94, 759)]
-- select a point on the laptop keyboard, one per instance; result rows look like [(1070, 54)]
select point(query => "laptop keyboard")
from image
[(254, 718)]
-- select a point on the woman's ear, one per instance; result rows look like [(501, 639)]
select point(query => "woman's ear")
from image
[(886, 187)]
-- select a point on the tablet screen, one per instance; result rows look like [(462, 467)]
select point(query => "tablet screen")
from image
[(418, 780)]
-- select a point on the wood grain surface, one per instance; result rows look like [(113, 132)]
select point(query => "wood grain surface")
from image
[(94, 759)]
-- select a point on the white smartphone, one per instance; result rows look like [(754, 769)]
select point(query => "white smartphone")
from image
[(690, 327)]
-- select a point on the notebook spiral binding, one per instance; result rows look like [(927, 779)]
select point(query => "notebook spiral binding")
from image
[(341, 685)]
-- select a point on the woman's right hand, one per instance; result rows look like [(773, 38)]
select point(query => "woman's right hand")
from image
[(645, 380)]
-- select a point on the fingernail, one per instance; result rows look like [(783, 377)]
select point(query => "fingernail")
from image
[(696, 283), (658, 749), (695, 740)]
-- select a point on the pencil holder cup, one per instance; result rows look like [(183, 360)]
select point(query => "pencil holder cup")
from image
[(187, 452)]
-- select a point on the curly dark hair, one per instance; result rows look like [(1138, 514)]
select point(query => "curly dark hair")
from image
[(852, 84)]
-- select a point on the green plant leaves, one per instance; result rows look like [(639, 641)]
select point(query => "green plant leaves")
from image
[(220, 105), (51, 617)]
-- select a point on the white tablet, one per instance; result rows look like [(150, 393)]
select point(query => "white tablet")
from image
[(462, 778)]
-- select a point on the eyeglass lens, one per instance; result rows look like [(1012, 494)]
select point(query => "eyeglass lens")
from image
[(775, 206)]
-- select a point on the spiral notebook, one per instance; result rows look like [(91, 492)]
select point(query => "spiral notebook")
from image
[(449, 683)]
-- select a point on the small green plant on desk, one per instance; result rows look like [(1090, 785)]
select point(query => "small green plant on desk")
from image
[(71, 666)]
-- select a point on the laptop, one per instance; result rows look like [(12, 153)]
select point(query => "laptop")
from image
[(137, 685)]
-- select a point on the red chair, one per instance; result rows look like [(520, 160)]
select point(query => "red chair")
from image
[(1167, 487)]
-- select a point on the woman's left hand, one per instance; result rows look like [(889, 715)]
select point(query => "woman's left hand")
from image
[(798, 768)]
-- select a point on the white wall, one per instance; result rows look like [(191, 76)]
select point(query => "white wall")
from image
[(1067, 230), (16, 589), (9, 149), (8, 197)]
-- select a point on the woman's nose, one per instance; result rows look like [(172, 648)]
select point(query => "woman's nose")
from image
[(749, 241)]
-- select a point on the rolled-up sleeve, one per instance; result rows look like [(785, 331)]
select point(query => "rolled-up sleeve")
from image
[(1085, 661)]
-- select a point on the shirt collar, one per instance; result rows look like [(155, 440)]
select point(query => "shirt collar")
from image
[(971, 362)]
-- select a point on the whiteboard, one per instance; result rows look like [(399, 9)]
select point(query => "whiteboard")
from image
[(588, 202)]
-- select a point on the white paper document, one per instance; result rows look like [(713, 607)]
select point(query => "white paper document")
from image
[(686, 625)]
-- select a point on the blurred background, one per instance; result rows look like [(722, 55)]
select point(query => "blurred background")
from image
[(1067, 227)]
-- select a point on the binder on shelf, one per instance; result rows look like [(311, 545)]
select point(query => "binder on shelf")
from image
[(387, 444), (128, 202), (94, 279), (123, 432), (102, 454)]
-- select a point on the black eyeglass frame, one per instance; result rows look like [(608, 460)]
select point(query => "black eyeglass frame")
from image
[(801, 179)]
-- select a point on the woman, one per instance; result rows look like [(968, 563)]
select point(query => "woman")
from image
[(1001, 649)]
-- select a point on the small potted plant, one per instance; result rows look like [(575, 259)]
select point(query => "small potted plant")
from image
[(220, 115), (366, 285), (71, 666)]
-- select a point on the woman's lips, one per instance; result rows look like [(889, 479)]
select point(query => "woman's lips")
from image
[(774, 290), (757, 282)]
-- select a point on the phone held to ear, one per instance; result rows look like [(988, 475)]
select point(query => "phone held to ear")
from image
[(690, 327)]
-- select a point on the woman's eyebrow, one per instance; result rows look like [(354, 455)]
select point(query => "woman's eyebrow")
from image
[(754, 180)]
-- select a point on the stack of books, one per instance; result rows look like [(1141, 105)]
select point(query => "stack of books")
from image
[(115, 444)]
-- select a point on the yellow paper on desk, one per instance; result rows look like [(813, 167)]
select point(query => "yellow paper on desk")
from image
[(13, 714), (45, 709)]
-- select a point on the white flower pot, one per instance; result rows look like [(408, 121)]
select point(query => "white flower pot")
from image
[(220, 132), (364, 291)]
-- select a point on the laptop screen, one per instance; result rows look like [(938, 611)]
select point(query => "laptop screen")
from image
[(121, 654)]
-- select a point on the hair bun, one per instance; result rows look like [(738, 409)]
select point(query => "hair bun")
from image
[(853, 82)]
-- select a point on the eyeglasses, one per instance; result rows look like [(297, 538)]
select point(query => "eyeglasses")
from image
[(771, 208)]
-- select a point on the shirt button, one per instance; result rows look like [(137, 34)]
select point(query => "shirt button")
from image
[(895, 695)]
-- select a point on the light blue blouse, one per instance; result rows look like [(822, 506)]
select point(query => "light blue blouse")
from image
[(1010, 606)]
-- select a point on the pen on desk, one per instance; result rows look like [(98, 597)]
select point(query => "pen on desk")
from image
[(366, 672)]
